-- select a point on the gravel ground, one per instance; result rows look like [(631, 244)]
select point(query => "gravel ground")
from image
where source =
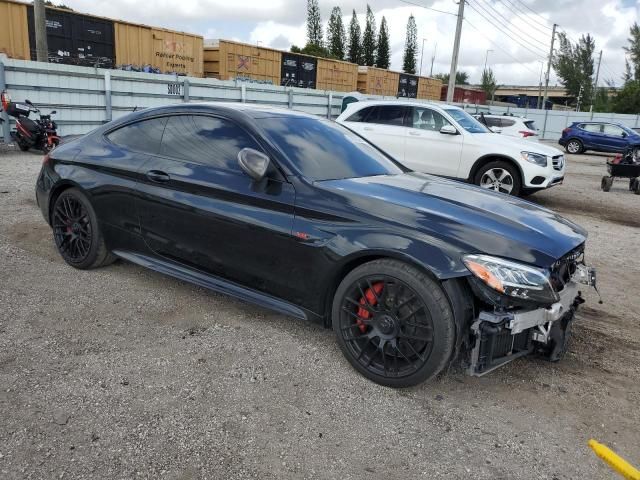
[(123, 373)]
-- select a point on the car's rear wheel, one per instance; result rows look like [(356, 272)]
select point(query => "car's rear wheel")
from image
[(499, 176), (574, 146), (606, 183), (393, 322), (76, 231)]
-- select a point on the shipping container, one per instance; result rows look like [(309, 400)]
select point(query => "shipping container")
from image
[(337, 75), (465, 95), (376, 81), (227, 60), (429, 88), (166, 50), (14, 33), (407, 86), (298, 70), (74, 38)]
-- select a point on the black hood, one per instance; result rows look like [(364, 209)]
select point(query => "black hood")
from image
[(474, 219)]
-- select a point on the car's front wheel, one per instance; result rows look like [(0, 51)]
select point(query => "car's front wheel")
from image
[(393, 322), (76, 231), (574, 146), (499, 176)]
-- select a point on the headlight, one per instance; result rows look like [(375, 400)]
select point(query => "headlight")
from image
[(535, 158), (512, 279)]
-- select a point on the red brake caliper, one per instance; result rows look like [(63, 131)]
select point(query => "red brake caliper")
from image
[(370, 299)]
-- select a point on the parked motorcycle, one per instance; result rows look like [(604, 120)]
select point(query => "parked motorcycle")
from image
[(40, 134)]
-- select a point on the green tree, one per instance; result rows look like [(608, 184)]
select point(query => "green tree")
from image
[(574, 66), (336, 36), (488, 83), (410, 47), (313, 50), (383, 56), (354, 55), (628, 98), (633, 50), (369, 39), (314, 24), (462, 78), (603, 100)]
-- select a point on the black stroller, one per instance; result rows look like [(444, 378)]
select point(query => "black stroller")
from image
[(626, 165)]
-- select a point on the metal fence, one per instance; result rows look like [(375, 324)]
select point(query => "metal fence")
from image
[(86, 97)]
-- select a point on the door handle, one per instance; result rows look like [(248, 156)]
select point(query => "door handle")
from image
[(158, 176), (368, 128)]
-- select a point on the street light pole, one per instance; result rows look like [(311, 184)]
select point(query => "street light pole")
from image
[(433, 59), (540, 86), (421, 56), (546, 81)]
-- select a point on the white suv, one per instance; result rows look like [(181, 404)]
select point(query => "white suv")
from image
[(509, 125), (445, 140)]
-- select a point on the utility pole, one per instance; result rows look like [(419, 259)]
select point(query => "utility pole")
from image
[(421, 56), (540, 86), (486, 57), (546, 80), (456, 50), (433, 59), (595, 84), (40, 23), (579, 98)]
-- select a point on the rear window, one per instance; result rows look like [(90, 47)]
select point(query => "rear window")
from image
[(531, 125)]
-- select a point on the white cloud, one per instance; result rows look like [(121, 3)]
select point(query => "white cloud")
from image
[(279, 23)]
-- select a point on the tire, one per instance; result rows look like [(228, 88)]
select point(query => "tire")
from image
[(393, 323), (23, 146), (76, 232), (636, 187), (606, 184), (574, 146), (632, 184), (499, 176)]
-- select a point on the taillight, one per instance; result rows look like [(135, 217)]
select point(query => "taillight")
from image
[(526, 134), (565, 131), (6, 100)]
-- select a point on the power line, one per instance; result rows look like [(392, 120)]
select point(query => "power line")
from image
[(519, 60), (534, 25), (516, 7), (531, 10), (538, 54), (427, 8), (506, 22)]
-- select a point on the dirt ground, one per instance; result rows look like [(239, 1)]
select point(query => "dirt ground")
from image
[(123, 373)]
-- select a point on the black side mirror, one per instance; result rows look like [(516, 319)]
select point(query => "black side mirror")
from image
[(253, 163), (28, 102), (624, 135), (53, 113)]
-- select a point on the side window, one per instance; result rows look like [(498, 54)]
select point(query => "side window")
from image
[(591, 127), (143, 136), (205, 140), (506, 122), (493, 122), (612, 130), (360, 115), (427, 119), (387, 115)]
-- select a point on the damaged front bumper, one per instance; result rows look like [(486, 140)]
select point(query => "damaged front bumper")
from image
[(499, 337)]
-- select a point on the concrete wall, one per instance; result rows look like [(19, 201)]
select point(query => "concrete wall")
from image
[(87, 97)]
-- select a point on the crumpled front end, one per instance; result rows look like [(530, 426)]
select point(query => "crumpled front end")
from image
[(519, 321)]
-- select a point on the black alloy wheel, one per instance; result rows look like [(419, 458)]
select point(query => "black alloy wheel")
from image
[(393, 323), (76, 233)]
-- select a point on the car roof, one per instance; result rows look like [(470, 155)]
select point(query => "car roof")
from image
[(512, 117), (404, 103)]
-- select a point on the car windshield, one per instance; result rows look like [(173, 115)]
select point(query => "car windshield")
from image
[(466, 121), (630, 131), (324, 150)]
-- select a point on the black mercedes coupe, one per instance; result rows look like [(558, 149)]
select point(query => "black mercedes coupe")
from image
[(301, 215)]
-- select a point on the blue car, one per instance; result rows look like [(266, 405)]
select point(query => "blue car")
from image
[(599, 137)]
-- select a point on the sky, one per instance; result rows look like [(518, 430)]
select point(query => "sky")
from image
[(512, 35)]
